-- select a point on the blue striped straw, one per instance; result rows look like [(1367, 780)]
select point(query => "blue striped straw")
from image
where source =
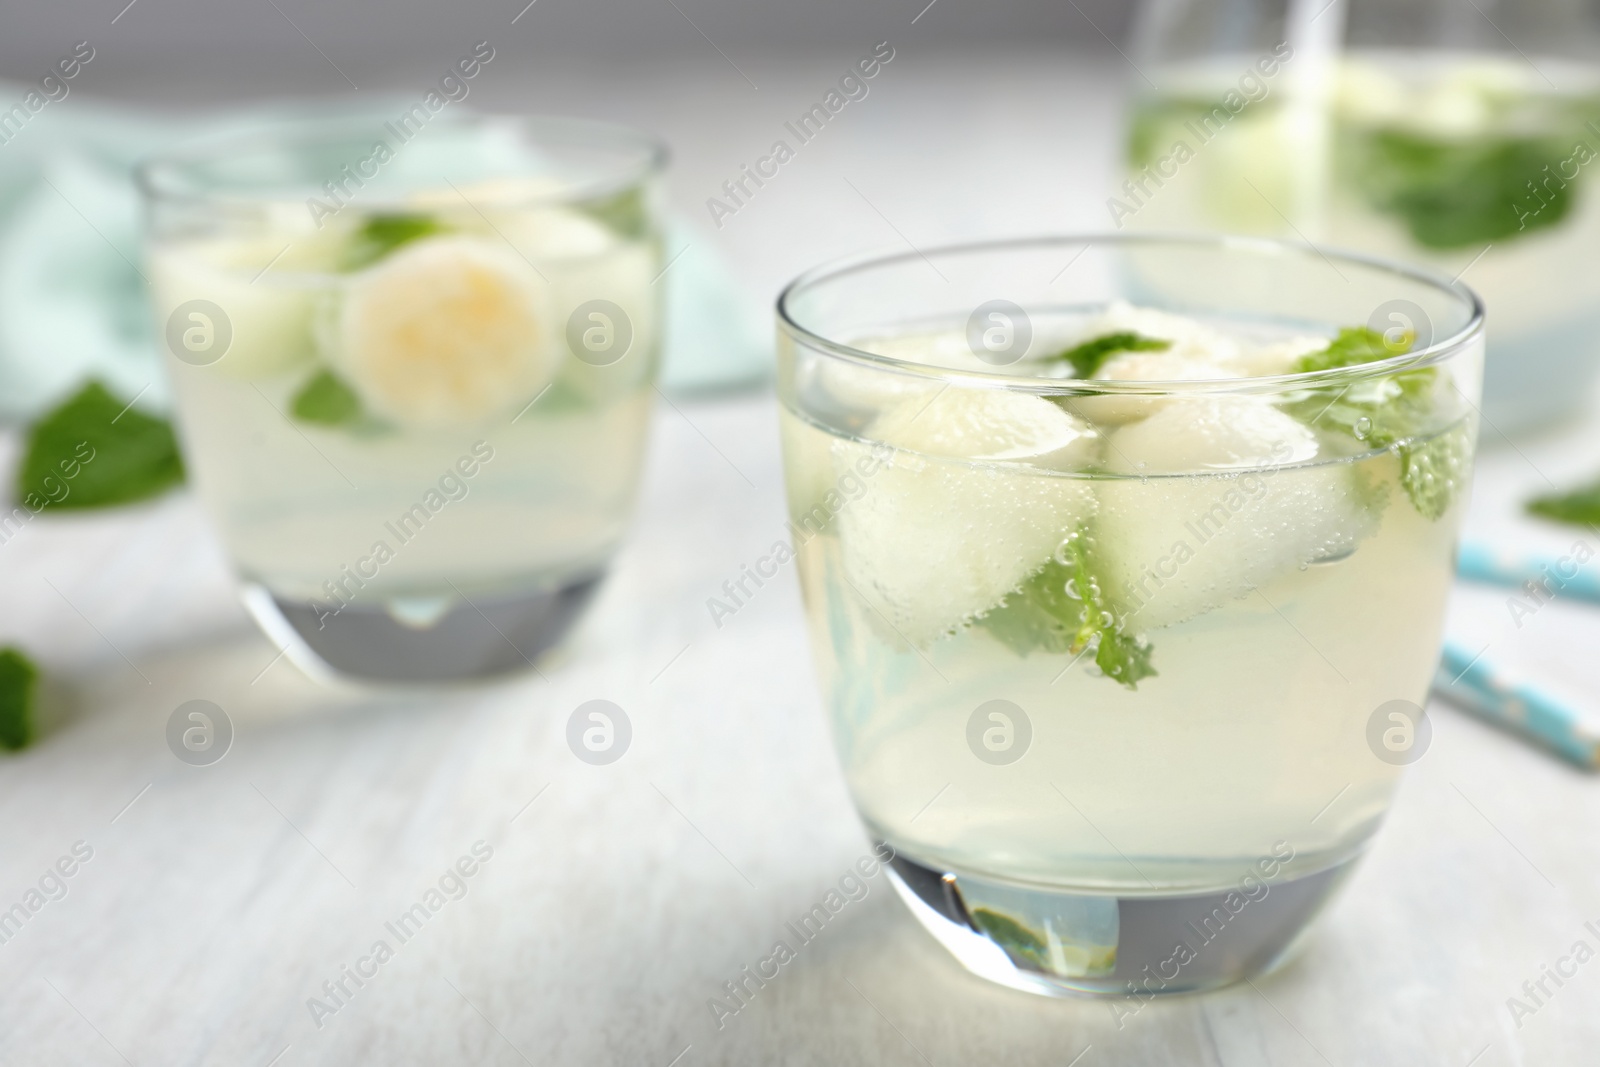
[(1559, 576), (1468, 681)]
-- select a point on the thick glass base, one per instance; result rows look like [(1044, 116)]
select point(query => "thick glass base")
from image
[(1064, 944), (440, 640)]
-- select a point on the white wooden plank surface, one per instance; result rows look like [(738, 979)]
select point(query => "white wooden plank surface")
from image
[(618, 902)]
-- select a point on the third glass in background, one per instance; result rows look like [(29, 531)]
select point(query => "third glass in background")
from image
[(1418, 130)]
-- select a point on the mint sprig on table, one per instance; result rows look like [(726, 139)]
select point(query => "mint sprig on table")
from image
[(1088, 357), (94, 451), (1579, 507), (1396, 412), (18, 678), (1043, 615)]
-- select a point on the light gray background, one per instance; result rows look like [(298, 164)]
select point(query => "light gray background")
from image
[(226, 50)]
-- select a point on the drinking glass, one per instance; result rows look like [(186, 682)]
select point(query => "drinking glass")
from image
[(1456, 135), (1124, 669), (413, 367)]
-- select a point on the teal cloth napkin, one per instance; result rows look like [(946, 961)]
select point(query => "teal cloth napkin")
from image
[(72, 296)]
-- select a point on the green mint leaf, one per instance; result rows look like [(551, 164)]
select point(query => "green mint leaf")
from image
[(1144, 132), (326, 401), (1043, 615), (560, 397), (1156, 126), (1580, 507), (18, 677), (626, 213), (94, 451), (1088, 357), (1458, 192), (382, 234), (1018, 941), (1120, 655), (1123, 658), (1355, 344), (1433, 470), (1040, 615), (1398, 412)]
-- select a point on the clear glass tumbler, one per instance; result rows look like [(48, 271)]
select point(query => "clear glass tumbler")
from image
[(1125, 562), (1453, 134), (413, 367)]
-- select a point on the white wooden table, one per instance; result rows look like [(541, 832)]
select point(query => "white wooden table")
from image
[(618, 899)]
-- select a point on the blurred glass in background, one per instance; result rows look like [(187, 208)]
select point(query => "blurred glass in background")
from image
[(1454, 134), (468, 349)]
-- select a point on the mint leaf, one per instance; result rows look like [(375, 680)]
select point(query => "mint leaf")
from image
[(626, 213), (1580, 507), (1398, 412), (1088, 357), (93, 451), (1455, 192), (1019, 942), (1434, 470), (1156, 126), (1039, 615), (1043, 614), (382, 234), (18, 676), (326, 401), (1353, 345), (1144, 131)]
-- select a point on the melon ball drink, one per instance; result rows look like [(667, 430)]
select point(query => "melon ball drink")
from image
[(1113, 553), (1472, 163), (413, 385)]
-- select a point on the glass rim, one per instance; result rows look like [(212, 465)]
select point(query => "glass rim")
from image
[(1436, 352), (161, 176)]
